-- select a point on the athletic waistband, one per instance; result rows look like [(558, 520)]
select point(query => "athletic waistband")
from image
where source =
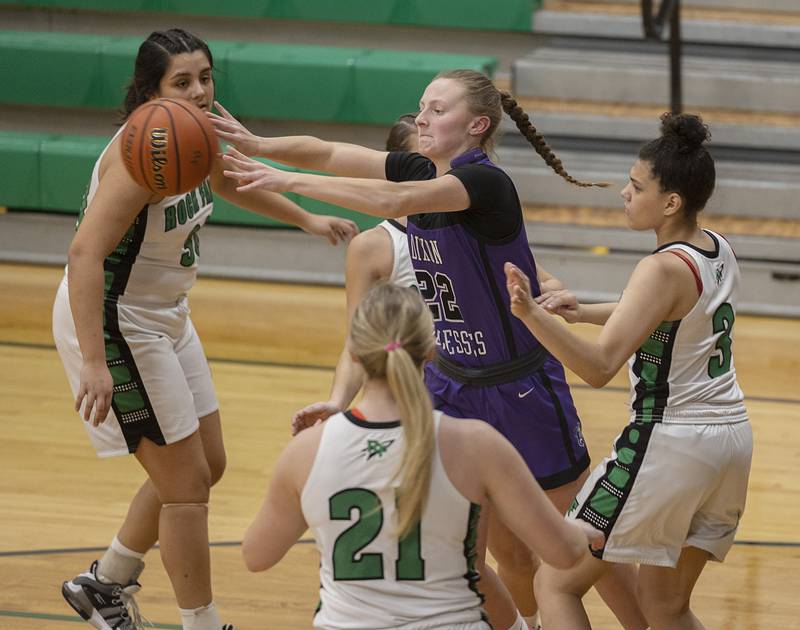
[(496, 374)]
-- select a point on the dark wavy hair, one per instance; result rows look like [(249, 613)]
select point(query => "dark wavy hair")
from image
[(152, 61), (681, 162)]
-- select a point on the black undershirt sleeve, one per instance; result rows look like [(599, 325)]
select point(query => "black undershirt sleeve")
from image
[(494, 212), (402, 166)]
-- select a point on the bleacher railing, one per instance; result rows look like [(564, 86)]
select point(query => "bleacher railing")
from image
[(654, 23)]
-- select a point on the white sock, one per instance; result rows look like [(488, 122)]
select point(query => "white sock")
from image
[(203, 618), (533, 621), (119, 564), (519, 624)]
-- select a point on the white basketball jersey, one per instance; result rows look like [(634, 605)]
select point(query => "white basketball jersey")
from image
[(156, 261), (368, 579), (684, 371), (402, 268)]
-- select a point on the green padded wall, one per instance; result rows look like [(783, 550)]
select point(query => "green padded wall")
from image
[(514, 15), (50, 172), (278, 81)]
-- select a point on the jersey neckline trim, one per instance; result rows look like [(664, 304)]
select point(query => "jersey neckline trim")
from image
[(705, 252), (366, 424), (397, 224)]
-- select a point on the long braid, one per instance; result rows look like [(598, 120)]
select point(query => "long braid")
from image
[(526, 128)]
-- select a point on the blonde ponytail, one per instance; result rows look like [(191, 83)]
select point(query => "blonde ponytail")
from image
[(392, 336), (411, 395)]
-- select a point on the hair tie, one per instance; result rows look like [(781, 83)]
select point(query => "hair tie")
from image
[(393, 345)]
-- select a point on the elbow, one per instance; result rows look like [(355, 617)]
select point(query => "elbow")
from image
[(77, 254), (393, 209), (254, 560), (567, 556), (601, 375), (398, 203), (573, 559), (598, 381)]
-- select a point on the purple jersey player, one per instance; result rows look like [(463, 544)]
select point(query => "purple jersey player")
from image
[(465, 221)]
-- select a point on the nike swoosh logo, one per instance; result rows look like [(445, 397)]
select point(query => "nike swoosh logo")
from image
[(523, 394)]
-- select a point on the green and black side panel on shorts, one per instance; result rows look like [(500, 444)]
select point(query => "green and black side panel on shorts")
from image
[(607, 499), (130, 401), (651, 364)]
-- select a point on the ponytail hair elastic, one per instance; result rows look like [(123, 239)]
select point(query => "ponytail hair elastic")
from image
[(393, 345)]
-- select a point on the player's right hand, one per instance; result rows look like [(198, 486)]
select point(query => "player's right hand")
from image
[(94, 392), (312, 415)]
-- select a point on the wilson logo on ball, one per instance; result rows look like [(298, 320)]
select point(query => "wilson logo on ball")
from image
[(168, 146), (158, 155)]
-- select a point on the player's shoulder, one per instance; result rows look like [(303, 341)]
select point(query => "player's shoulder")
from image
[(298, 456), (659, 265), (368, 240), (470, 432), (370, 253)]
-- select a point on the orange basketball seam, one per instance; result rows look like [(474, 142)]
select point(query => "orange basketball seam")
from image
[(202, 129)]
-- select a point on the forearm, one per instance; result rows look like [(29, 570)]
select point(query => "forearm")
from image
[(585, 358), (86, 284), (347, 381), (373, 197), (597, 314), (262, 202), (301, 151), (547, 281)]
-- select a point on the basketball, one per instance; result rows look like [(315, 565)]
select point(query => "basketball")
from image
[(168, 146)]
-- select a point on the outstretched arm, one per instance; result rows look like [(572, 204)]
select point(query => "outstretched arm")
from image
[(278, 207), (377, 198), (649, 298), (306, 152)]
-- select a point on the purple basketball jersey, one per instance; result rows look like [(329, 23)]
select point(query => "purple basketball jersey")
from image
[(460, 275)]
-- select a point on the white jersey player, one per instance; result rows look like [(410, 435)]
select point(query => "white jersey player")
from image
[(132, 356), (392, 491), (672, 492)]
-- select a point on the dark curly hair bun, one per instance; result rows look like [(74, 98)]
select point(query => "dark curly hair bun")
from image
[(686, 130)]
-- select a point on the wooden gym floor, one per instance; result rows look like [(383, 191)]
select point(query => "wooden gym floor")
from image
[(272, 348)]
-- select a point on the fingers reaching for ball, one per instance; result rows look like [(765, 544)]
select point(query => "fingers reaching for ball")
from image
[(253, 175), (230, 130)]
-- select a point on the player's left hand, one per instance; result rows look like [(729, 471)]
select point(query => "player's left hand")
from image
[(252, 175), (335, 229), (519, 291)]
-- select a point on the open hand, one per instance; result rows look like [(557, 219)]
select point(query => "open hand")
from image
[(233, 132), (253, 175), (519, 291), (95, 390), (312, 415)]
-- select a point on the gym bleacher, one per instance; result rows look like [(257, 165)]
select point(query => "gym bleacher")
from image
[(346, 70)]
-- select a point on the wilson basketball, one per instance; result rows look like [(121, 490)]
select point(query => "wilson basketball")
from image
[(168, 146)]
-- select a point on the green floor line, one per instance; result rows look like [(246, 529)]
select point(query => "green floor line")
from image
[(75, 619)]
